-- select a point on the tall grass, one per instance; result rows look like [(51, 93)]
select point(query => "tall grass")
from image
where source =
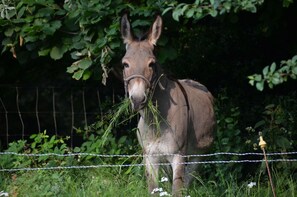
[(121, 110), (74, 183), (123, 113), (106, 182)]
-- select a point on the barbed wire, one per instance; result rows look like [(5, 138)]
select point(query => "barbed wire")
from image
[(144, 155), (141, 165)]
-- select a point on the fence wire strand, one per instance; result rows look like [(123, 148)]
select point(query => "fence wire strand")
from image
[(140, 155), (141, 165)]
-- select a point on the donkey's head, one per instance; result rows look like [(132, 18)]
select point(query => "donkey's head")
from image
[(140, 68)]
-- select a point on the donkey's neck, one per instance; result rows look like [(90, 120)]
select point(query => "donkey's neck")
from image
[(159, 98)]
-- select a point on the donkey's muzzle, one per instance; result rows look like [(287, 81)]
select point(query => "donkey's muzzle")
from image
[(138, 102), (138, 96)]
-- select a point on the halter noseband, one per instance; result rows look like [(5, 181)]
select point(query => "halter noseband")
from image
[(128, 79), (151, 83)]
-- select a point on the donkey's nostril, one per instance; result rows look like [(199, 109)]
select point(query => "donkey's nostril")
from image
[(138, 102), (138, 99)]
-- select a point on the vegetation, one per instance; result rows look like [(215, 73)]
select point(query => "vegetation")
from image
[(273, 76), (228, 179), (87, 31), (220, 43), (101, 182)]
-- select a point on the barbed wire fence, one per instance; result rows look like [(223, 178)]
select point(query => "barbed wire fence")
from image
[(61, 109)]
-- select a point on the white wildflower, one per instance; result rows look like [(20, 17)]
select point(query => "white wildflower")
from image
[(157, 190), (252, 184), (2, 193), (164, 194), (164, 179)]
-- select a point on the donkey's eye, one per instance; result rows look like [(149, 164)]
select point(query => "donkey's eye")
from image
[(152, 64), (125, 65)]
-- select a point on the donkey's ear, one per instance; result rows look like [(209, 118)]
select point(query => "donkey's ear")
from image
[(155, 31), (126, 32)]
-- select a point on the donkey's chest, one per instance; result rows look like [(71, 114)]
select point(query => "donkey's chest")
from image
[(157, 142)]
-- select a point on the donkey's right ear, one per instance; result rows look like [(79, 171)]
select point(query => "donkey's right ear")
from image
[(126, 31)]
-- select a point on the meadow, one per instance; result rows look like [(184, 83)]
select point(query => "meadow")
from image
[(107, 182)]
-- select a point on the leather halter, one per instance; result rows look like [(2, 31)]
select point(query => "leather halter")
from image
[(128, 79), (152, 84)]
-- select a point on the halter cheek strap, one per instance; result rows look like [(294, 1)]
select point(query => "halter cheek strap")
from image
[(151, 84), (128, 79)]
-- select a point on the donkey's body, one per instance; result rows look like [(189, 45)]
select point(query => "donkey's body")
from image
[(185, 107)]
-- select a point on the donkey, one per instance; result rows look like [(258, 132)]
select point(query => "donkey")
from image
[(185, 108)]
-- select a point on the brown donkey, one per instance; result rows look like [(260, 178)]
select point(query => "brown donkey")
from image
[(185, 106)]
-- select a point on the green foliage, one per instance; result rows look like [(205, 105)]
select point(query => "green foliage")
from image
[(103, 182), (85, 30), (94, 142), (97, 140), (273, 76), (202, 8), (287, 3), (7, 10), (88, 31), (228, 136), (41, 143), (278, 125), (76, 183), (121, 110), (228, 132)]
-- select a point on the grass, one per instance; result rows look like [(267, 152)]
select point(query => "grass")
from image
[(110, 182), (121, 110), (73, 183)]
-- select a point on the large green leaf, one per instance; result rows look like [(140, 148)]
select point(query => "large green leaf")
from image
[(56, 53), (85, 63)]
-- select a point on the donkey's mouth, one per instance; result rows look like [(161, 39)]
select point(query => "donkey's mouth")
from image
[(138, 102), (138, 106)]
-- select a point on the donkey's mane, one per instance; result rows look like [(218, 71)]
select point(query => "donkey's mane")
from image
[(141, 37), (195, 84)]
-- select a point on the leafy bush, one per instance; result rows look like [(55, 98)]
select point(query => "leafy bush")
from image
[(85, 30), (228, 138), (273, 76), (99, 141), (41, 143), (201, 8), (278, 126)]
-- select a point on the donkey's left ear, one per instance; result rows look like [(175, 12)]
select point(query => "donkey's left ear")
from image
[(126, 31), (155, 31)]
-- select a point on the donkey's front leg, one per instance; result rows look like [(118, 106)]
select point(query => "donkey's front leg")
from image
[(178, 169), (151, 171)]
